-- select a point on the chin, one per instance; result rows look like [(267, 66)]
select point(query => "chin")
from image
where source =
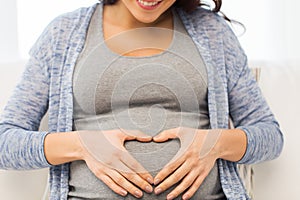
[(147, 20)]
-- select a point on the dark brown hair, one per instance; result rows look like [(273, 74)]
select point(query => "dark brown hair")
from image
[(187, 5)]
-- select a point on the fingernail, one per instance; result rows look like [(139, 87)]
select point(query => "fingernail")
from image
[(138, 193), (150, 180), (123, 193), (170, 197), (156, 181), (158, 190), (149, 189)]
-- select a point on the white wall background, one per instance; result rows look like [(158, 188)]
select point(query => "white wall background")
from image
[(8, 33), (279, 179), (272, 37), (272, 28)]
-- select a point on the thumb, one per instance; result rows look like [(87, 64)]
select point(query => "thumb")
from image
[(137, 135), (165, 135)]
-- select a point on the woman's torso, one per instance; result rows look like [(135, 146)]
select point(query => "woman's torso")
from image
[(151, 94)]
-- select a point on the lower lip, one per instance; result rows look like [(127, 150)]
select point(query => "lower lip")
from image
[(148, 7)]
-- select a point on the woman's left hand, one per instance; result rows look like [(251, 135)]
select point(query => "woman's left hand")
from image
[(192, 163)]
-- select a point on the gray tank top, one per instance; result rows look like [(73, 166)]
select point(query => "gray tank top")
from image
[(151, 94)]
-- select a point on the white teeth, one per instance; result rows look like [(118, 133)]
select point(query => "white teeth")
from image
[(147, 3)]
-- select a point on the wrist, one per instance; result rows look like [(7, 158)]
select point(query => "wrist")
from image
[(231, 145), (78, 149), (220, 148), (63, 147)]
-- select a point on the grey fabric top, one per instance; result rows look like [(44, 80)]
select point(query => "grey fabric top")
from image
[(152, 94)]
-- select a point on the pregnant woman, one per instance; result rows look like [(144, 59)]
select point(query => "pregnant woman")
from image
[(139, 94)]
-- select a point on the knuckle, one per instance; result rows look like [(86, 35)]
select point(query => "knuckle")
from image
[(194, 188), (132, 189), (137, 181), (189, 153), (108, 162), (134, 165), (194, 150), (129, 176), (98, 171), (177, 176), (116, 154), (185, 184), (104, 178), (120, 180), (194, 164), (163, 175)]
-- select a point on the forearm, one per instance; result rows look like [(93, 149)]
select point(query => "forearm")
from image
[(61, 148), (265, 142), (231, 145), (20, 149)]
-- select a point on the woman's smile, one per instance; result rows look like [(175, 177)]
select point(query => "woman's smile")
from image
[(144, 11), (148, 5)]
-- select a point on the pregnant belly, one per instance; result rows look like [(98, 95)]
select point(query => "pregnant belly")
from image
[(153, 156)]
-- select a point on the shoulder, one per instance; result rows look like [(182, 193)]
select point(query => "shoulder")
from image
[(207, 25), (72, 19), (204, 19), (61, 28)]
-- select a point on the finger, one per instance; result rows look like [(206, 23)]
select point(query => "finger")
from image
[(136, 135), (137, 180), (168, 169), (166, 135), (195, 186), (136, 167), (175, 177), (185, 183), (112, 185), (100, 172), (124, 183), (141, 136)]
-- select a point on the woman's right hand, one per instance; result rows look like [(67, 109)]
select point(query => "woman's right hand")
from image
[(106, 156)]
